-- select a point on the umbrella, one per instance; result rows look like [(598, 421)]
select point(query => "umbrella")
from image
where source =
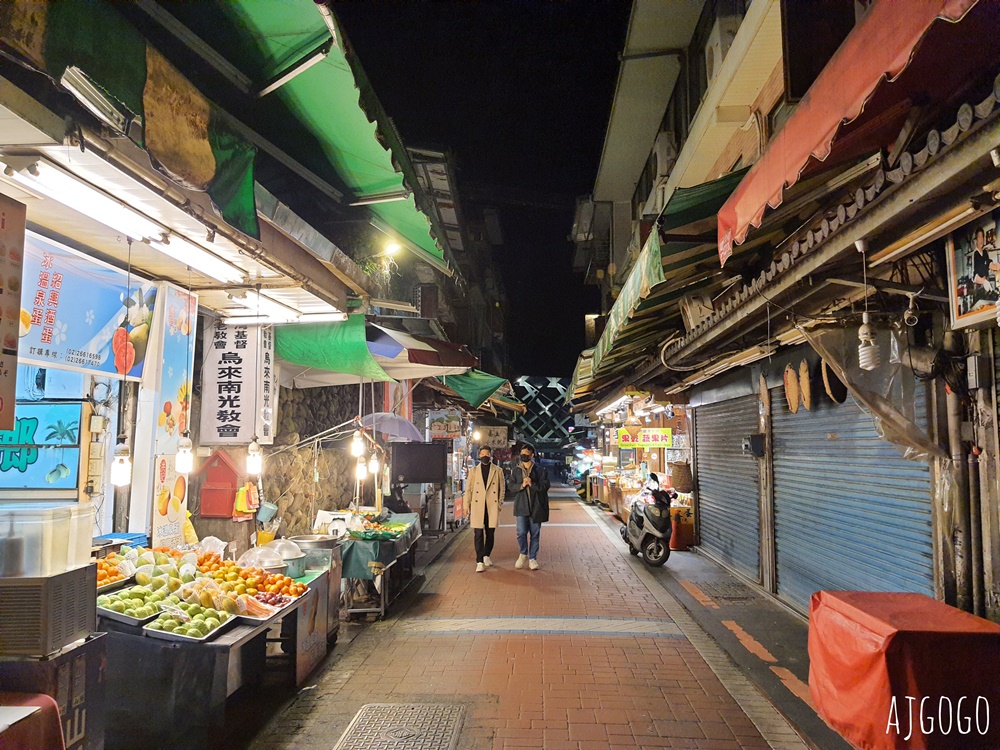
[(393, 425)]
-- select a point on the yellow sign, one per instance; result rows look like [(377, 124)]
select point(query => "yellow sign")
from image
[(648, 437)]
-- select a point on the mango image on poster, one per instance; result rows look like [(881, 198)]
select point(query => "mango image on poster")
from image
[(163, 501), (25, 323)]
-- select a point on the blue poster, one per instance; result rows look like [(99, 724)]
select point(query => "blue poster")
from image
[(75, 313), (43, 449), (179, 322)]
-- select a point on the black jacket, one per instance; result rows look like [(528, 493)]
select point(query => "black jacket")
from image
[(529, 501)]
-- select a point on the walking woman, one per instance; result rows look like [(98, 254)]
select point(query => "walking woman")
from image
[(484, 497)]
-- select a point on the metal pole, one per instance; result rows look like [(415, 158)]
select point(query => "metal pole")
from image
[(963, 537), (976, 533)]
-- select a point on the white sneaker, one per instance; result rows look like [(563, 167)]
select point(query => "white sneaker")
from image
[(487, 561), (533, 564), (480, 567), (521, 560)]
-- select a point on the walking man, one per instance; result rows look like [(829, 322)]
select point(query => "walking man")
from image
[(529, 485), (484, 498)]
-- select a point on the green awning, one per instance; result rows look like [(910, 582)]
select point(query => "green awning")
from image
[(339, 122), (334, 347), (663, 273), (188, 138), (475, 386)]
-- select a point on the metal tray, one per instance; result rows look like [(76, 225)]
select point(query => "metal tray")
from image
[(115, 585), (164, 636), (110, 614)]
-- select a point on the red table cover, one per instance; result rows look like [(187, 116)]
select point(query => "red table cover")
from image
[(874, 658), (40, 731)]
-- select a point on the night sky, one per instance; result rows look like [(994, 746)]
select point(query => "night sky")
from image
[(521, 93)]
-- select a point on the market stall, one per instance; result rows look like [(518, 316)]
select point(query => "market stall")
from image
[(380, 556)]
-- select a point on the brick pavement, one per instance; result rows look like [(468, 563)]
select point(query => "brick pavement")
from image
[(545, 659)]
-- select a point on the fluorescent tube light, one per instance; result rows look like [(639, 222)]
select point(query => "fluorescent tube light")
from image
[(69, 190), (199, 259), (252, 320), (261, 305), (334, 317)]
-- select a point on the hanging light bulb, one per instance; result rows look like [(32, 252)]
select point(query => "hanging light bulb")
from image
[(184, 460), (361, 472), (121, 469), (477, 436), (868, 351), (255, 458), (357, 445), (632, 424), (373, 464)]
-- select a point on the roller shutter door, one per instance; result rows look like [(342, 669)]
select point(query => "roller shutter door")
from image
[(728, 484), (850, 512)]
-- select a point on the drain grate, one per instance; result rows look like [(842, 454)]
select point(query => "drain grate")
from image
[(414, 726), (727, 592)]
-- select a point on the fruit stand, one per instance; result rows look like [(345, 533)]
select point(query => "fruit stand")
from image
[(383, 553), (189, 630)]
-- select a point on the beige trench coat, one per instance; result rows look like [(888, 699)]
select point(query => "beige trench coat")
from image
[(479, 498)]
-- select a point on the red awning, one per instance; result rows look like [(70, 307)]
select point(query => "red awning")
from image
[(880, 47)]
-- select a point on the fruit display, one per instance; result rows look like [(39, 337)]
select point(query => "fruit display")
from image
[(371, 528), (206, 592), (137, 604), (109, 573), (188, 621)]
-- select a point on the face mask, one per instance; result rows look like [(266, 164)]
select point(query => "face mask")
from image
[(525, 458), (485, 460)]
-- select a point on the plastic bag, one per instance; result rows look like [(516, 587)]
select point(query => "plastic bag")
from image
[(213, 544), (205, 592)]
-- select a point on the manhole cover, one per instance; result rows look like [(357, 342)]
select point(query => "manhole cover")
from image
[(727, 592), (414, 726)]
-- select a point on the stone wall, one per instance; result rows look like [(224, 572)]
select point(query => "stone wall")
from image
[(288, 473)]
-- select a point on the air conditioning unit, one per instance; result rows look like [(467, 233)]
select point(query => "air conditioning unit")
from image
[(695, 308), (664, 154), (719, 42)]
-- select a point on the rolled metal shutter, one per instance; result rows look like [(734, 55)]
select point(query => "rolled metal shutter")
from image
[(728, 484), (850, 512)]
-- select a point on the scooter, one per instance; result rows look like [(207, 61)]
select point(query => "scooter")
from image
[(648, 528)]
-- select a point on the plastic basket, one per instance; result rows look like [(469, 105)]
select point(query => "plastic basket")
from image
[(42, 615)]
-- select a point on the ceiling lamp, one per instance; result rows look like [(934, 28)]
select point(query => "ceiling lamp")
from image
[(184, 460), (632, 424), (868, 351), (255, 458), (121, 468)]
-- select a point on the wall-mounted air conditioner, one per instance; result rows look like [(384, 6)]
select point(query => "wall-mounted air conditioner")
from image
[(719, 42), (663, 157), (695, 308)]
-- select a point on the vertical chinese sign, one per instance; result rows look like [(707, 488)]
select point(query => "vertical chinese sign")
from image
[(238, 375), (12, 223)]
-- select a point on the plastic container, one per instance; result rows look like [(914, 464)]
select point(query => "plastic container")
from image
[(260, 557), (266, 511), (34, 540), (81, 534), (285, 547)]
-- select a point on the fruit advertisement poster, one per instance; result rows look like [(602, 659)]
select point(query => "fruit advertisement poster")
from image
[(12, 222), (445, 424), (169, 503), (174, 388), (77, 315), (42, 452)]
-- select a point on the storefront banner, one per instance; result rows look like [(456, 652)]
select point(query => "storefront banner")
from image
[(42, 452), (169, 503), (12, 223), (173, 410), (74, 316), (494, 437), (648, 437), (238, 374), (446, 424)]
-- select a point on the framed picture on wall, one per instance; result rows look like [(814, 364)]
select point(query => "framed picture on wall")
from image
[(973, 258)]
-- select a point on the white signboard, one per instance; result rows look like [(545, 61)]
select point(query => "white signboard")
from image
[(169, 503), (494, 437), (238, 375)]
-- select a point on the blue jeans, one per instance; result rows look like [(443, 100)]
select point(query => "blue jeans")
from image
[(525, 525)]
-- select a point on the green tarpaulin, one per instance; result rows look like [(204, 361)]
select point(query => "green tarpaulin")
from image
[(334, 347), (337, 127), (187, 137), (659, 260), (475, 386)]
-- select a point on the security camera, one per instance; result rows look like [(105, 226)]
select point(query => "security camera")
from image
[(910, 317)]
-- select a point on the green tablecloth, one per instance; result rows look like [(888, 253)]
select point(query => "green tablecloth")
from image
[(358, 553)]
